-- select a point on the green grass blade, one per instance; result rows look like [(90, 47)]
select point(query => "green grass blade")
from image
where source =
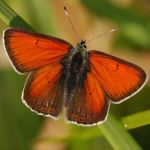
[(11, 18), (137, 120), (6, 13), (117, 136)]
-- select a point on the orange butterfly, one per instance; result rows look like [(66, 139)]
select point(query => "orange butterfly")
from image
[(84, 82)]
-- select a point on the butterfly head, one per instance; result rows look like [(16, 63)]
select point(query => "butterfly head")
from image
[(82, 45)]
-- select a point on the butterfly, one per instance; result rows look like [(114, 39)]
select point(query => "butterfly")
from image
[(62, 76)]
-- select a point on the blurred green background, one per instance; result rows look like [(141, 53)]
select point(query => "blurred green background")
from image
[(21, 129)]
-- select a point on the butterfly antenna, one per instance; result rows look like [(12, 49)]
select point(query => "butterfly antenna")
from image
[(103, 34), (73, 27)]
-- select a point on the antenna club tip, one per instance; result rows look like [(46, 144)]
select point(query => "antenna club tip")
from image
[(65, 8)]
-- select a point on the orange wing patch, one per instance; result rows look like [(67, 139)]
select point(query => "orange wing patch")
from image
[(43, 91), (118, 77), (89, 105), (29, 51)]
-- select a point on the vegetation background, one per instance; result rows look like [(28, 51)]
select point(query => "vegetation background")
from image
[(128, 124)]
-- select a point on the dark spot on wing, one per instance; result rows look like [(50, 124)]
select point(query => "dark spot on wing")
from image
[(117, 66), (37, 42)]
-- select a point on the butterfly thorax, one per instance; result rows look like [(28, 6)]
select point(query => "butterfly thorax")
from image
[(76, 67)]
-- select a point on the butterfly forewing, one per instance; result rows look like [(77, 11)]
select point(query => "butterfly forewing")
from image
[(29, 51), (119, 78)]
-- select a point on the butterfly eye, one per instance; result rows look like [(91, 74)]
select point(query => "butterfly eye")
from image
[(84, 46)]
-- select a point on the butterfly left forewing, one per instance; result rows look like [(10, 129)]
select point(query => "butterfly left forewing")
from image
[(43, 91), (119, 79), (89, 104)]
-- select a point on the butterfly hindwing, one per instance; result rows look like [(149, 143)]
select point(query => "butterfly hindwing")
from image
[(43, 91), (89, 104), (28, 50), (119, 78)]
